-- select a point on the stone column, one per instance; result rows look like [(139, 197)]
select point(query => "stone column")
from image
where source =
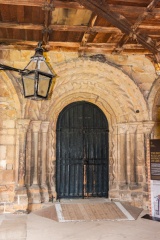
[(21, 198), (34, 190), (122, 128), (22, 125), (28, 158), (140, 163), (128, 166), (132, 152), (44, 188), (147, 127), (35, 142)]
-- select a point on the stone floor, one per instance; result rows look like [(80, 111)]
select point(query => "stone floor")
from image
[(44, 225)]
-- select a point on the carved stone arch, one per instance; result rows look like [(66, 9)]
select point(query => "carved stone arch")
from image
[(153, 98), (154, 107), (109, 88), (102, 79), (65, 100), (108, 80)]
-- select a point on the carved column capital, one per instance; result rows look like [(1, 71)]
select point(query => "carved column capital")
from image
[(122, 128), (148, 126), (140, 128), (132, 127), (44, 126), (36, 126), (22, 124)]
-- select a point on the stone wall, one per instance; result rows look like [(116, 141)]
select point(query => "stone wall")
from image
[(125, 88), (9, 112)]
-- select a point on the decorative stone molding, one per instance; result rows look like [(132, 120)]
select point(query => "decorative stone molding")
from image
[(22, 126), (44, 161), (28, 157), (122, 157), (35, 153), (122, 128), (44, 126), (36, 126), (148, 126), (132, 127), (112, 157)]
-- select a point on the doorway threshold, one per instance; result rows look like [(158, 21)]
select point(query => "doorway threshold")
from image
[(84, 200), (91, 211)]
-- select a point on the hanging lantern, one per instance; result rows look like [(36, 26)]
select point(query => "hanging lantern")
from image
[(36, 76)]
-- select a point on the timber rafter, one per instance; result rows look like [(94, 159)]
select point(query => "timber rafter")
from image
[(103, 9), (112, 26), (147, 12)]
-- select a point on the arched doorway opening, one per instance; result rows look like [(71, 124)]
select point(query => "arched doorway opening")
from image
[(82, 152)]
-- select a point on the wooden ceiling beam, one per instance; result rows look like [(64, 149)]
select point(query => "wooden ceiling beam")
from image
[(119, 46), (74, 5), (86, 35), (37, 3), (37, 27), (145, 14), (40, 3), (5, 43), (67, 28), (134, 27), (72, 46), (47, 8), (102, 9)]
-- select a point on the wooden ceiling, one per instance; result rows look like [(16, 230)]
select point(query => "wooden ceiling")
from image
[(97, 26)]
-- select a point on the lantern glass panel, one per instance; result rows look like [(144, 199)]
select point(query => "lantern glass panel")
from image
[(43, 85), (43, 67), (31, 65), (28, 84)]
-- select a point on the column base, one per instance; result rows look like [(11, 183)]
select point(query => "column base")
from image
[(34, 195), (135, 186), (44, 193), (21, 198)]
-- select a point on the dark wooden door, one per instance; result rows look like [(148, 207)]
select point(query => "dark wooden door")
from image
[(82, 152)]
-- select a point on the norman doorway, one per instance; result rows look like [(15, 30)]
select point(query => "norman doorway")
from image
[(82, 152)]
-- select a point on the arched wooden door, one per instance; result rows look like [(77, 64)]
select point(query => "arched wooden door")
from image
[(82, 152)]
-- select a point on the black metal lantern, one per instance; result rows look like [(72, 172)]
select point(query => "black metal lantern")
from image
[(36, 76)]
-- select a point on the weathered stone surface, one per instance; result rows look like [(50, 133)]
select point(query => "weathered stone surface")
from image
[(2, 152), (16, 54), (118, 84), (10, 153), (2, 164), (34, 207), (7, 176), (4, 139), (8, 124), (9, 166)]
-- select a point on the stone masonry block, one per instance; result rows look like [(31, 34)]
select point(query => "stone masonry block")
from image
[(8, 124), (10, 154), (7, 139), (11, 131), (16, 54), (7, 176), (2, 152), (2, 164)]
